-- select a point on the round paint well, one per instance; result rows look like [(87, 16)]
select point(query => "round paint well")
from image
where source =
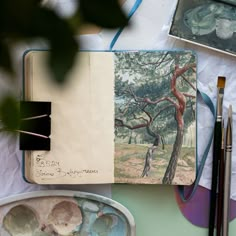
[(65, 217), (20, 220), (110, 224)]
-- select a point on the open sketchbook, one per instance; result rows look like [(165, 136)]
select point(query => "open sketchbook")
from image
[(121, 117)]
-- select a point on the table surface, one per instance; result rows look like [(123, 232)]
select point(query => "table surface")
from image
[(156, 212)]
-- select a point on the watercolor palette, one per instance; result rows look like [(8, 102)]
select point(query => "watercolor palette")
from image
[(208, 23), (64, 213)]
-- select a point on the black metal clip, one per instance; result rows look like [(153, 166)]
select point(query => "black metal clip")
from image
[(35, 125)]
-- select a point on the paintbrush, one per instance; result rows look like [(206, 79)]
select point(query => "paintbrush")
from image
[(227, 176), (216, 154), (220, 185)]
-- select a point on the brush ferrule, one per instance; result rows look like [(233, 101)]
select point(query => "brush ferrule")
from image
[(228, 141), (219, 105), (228, 148), (222, 135), (219, 118)]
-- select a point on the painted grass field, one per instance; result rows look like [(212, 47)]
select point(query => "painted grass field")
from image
[(130, 159)]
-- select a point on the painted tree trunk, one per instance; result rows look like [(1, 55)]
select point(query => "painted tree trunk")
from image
[(171, 168), (148, 160), (180, 108)]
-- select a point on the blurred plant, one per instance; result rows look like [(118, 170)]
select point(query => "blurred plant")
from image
[(29, 19)]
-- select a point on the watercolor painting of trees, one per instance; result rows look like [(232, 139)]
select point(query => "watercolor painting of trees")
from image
[(155, 124)]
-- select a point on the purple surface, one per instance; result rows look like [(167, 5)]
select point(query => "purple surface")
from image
[(196, 210)]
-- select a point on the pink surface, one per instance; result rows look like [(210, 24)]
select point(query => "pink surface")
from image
[(196, 210)]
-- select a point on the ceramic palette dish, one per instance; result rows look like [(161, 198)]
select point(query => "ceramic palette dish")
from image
[(64, 213)]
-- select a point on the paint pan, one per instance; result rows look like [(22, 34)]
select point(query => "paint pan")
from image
[(64, 213)]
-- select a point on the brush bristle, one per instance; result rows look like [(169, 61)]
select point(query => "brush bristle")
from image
[(221, 82)]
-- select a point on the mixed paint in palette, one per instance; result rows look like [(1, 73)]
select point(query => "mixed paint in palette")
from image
[(208, 23), (64, 213)]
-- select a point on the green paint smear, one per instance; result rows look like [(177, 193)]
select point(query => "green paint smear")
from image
[(202, 19), (102, 226), (20, 221)]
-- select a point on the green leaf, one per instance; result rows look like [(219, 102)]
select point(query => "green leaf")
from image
[(9, 113), (46, 24), (105, 13), (15, 16), (5, 58), (28, 20)]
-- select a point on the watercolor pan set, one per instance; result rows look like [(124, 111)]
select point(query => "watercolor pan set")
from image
[(207, 23), (64, 213)]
